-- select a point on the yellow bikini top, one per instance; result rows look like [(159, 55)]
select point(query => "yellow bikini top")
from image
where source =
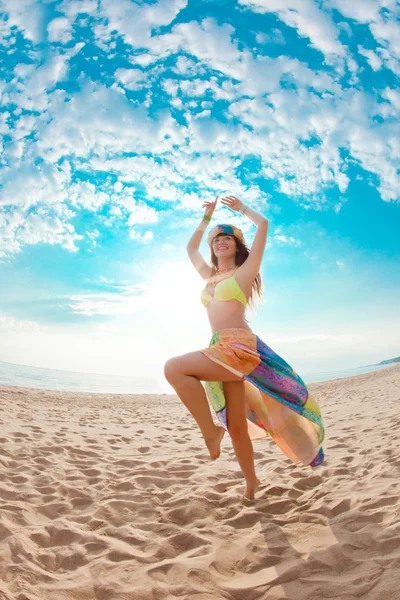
[(227, 289)]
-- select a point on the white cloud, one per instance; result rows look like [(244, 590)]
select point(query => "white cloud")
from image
[(340, 121), (298, 133), (12, 325), (393, 96), (253, 111), (132, 79), (26, 15), (144, 238), (308, 19), (85, 195), (289, 117), (362, 12), (170, 86), (384, 27), (106, 280), (387, 33), (286, 240), (47, 225), (187, 66), (28, 185), (142, 214), (209, 42), (134, 22), (60, 30), (275, 36), (148, 236), (194, 87), (103, 122), (30, 87), (373, 59), (125, 303), (93, 235), (72, 8), (4, 127), (139, 237), (49, 229)]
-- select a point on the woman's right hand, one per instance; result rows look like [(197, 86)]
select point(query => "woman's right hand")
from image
[(210, 207)]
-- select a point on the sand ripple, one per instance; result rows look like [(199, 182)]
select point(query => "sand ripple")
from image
[(113, 497)]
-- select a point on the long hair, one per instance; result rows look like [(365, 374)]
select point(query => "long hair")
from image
[(241, 255)]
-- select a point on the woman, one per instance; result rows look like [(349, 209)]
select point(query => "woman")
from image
[(253, 391)]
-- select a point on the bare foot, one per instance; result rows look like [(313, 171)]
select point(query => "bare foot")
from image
[(251, 489), (214, 444)]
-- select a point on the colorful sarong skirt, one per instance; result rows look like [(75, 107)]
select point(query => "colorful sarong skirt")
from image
[(278, 403)]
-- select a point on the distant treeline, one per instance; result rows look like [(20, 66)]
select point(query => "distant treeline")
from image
[(390, 360)]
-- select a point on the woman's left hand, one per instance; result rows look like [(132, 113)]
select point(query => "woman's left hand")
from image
[(232, 202)]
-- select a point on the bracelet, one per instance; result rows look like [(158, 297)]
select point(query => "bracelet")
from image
[(206, 218), (242, 209)]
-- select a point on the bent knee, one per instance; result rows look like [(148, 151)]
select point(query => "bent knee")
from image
[(171, 369)]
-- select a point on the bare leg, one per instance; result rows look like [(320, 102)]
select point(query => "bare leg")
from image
[(237, 426), (185, 374), (192, 394)]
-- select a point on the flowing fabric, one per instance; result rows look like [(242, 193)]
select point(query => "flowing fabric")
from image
[(278, 403)]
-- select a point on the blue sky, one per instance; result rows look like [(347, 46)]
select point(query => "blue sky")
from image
[(119, 118)]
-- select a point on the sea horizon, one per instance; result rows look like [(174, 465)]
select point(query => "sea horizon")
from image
[(15, 374)]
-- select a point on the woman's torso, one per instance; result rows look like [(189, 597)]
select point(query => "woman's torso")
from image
[(224, 314)]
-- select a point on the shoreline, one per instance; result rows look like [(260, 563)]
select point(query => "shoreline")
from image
[(156, 394)]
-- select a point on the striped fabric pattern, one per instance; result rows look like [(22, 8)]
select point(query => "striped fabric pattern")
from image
[(278, 403)]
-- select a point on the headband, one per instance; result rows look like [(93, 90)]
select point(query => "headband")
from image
[(228, 230)]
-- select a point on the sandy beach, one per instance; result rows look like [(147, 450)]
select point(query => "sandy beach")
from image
[(113, 497)]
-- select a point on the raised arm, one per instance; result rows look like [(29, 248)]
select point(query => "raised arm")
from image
[(253, 262), (194, 243)]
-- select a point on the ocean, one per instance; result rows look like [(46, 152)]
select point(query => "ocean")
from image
[(51, 379)]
